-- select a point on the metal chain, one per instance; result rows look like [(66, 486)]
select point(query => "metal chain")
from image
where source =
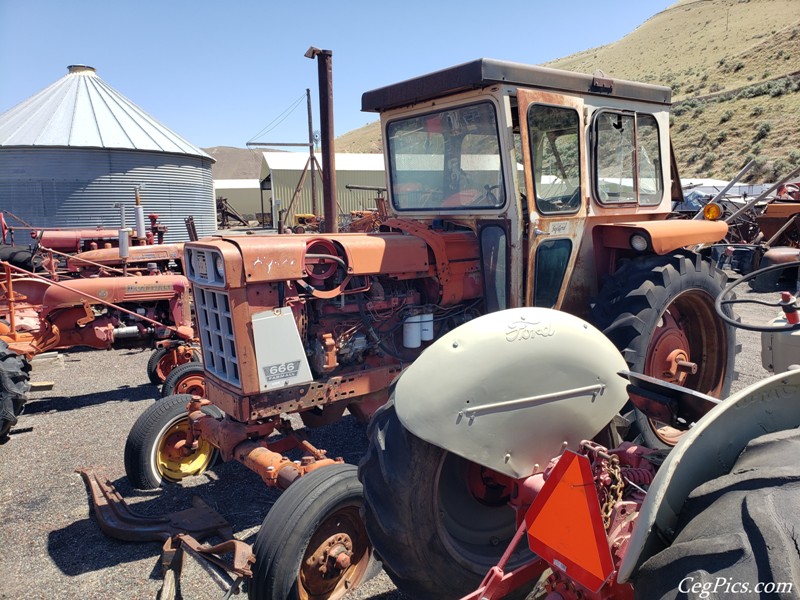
[(614, 492)]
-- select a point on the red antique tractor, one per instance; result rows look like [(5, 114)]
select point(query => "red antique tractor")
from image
[(38, 315)]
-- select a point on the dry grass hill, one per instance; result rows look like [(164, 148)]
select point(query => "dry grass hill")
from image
[(734, 68), (234, 163)]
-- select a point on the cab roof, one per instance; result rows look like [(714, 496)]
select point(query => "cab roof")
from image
[(485, 72)]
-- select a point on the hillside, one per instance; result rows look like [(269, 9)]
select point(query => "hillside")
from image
[(234, 163), (734, 68), (365, 139)]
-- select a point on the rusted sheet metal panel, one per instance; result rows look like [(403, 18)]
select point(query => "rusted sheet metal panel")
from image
[(780, 210), (272, 258), (664, 236), (114, 289), (135, 254), (282, 257), (391, 253), (70, 240)]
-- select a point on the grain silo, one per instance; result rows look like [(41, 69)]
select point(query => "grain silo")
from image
[(72, 153)]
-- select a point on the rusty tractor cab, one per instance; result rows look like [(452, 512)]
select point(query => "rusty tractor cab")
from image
[(509, 185)]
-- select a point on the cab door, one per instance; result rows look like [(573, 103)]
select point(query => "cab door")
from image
[(556, 183)]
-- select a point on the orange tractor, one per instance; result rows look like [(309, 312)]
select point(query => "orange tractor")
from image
[(508, 186)]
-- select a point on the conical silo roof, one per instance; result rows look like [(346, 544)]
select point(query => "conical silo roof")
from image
[(81, 110)]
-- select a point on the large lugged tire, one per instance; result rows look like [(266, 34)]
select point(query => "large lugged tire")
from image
[(435, 537), (162, 362), (14, 387), (188, 378), (659, 311), (21, 256), (738, 529), (312, 544), (153, 449)]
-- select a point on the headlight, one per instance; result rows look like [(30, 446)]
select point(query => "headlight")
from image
[(219, 265), (639, 242)]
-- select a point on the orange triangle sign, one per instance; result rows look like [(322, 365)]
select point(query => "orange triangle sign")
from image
[(565, 526)]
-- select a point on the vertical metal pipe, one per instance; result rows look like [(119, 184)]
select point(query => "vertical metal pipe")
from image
[(325, 74), (313, 162)]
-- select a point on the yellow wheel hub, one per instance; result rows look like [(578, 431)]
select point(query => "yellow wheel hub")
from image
[(174, 461)]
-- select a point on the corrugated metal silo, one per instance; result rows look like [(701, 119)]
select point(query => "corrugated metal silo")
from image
[(71, 153)]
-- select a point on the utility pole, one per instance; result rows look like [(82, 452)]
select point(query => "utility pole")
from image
[(312, 166)]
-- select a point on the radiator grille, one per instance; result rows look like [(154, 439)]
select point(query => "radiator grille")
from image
[(204, 266), (216, 334)]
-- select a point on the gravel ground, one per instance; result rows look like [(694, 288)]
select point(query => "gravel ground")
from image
[(51, 544)]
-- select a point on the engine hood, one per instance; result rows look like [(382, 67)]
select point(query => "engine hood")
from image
[(136, 254), (284, 257), (509, 389)]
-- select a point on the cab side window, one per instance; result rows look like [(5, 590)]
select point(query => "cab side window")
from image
[(555, 149), (627, 165)]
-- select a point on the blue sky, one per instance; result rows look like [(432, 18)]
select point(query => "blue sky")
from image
[(221, 73)]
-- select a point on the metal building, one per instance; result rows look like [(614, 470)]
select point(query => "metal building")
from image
[(281, 172), (244, 195), (72, 153)]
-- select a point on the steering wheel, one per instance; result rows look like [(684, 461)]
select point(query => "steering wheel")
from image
[(487, 197), (721, 302)]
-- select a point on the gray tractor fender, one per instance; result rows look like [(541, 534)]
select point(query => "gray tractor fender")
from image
[(705, 452), (512, 389)]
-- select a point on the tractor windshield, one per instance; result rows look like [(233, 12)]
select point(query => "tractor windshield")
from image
[(446, 160)]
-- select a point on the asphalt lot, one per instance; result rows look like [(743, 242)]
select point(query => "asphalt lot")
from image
[(51, 545)]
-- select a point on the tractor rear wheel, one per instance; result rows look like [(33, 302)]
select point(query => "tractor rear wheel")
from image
[(738, 529), (437, 521), (659, 312), (188, 378), (155, 448), (312, 544), (14, 386), (163, 360)]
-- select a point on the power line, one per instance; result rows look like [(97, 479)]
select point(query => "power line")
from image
[(279, 119)]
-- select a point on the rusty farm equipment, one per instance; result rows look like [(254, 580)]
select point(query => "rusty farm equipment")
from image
[(38, 315), (512, 479), (496, 200)]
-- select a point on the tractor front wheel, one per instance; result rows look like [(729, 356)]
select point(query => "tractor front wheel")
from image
[(14, 386), (163, 360), (312, 544), (659, 312), (739, 529), (156, 452), (188, 378), (437, 521)]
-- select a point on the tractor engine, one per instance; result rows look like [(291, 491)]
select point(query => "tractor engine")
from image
[(298, 322)]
